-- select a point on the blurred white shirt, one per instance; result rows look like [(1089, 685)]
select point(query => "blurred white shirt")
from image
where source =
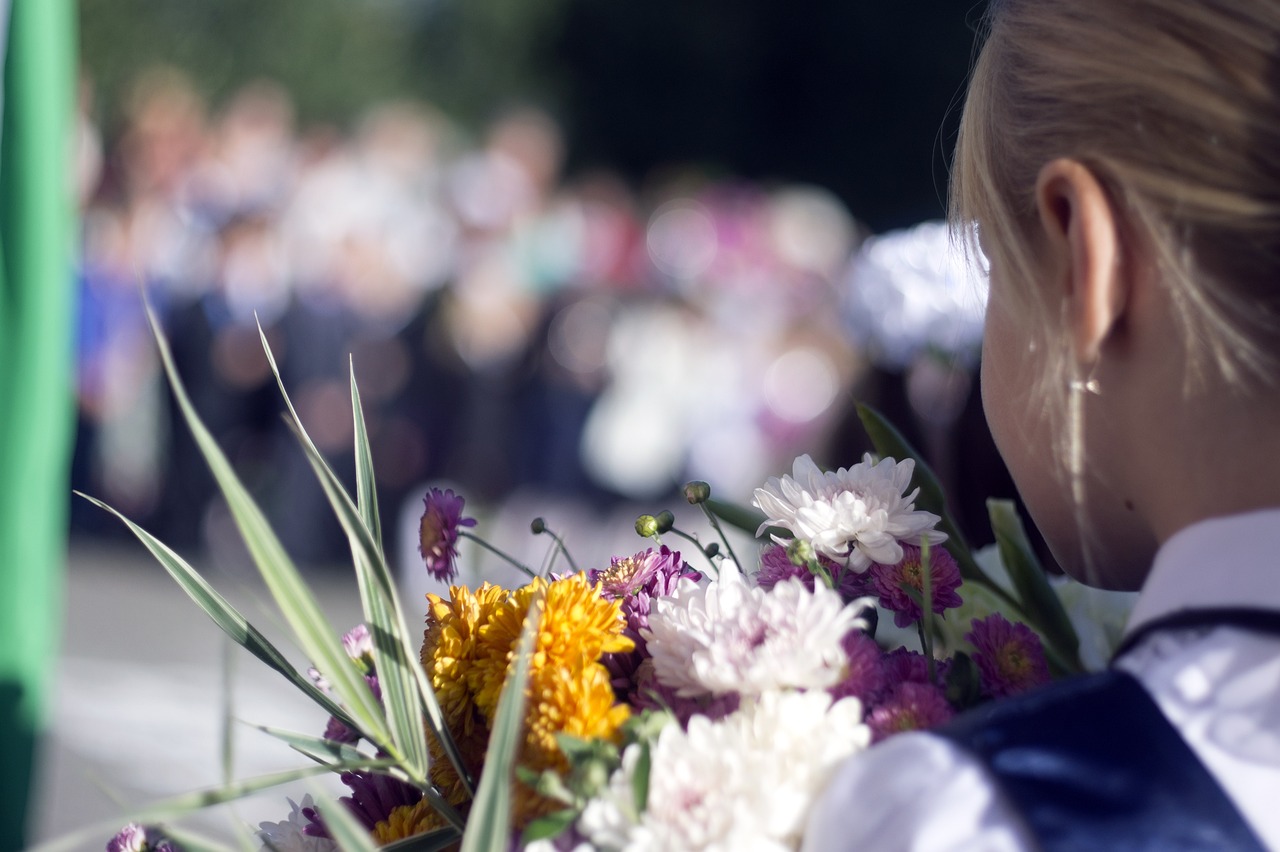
[(1219, 686)]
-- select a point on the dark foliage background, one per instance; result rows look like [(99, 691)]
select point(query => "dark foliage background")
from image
[(854, 95)]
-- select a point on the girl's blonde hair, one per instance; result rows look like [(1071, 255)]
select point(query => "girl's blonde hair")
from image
[(1175, 107)]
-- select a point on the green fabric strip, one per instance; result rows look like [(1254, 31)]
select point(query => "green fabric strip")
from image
[(36, 401)]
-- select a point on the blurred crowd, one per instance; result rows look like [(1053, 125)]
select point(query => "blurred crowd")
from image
[(510, 327)]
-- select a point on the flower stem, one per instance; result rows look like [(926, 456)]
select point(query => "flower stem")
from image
[(560, 544), (698, 545), (715, 524), (819, 570), (496, 552), (926, 610)]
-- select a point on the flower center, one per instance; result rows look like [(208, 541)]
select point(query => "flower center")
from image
[(1014, 663)]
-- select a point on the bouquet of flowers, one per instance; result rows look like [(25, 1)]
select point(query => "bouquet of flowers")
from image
[(636, 705)]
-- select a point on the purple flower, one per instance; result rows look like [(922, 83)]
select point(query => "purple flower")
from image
[(776, 567), (651, 694), (358, 643), (865, 679), (887, 581), (904, 666), (137, 838), (635, 581), (438, 532), (1010, 657), (373, 798), (909, 707), (337, 730)]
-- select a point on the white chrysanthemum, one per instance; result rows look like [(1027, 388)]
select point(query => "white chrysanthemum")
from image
[(287, 836), (855, 516), (731, 637), (744, 783)]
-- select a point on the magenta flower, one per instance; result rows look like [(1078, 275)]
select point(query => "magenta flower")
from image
[(776, 567), (904, 666), (887, 581), (1010, 657), (649, 693), (866, 678), (636, 581), (358, 643), (909, 707), (438, 532), (138, 838)]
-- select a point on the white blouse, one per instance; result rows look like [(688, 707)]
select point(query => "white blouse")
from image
[(1219, 686)]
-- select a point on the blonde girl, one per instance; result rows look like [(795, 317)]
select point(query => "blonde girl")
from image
[(1121, 159)]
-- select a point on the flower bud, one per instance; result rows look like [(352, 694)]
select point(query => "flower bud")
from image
[(666, 521), (538, 526), (801, 552), (697, 492), (711, 549), (647, 526)]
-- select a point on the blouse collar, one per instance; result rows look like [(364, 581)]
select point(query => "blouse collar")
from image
[(1222, 563)]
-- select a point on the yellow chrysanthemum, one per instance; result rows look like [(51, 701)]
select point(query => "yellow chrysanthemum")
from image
[(576, 627), (561, 700), (407, 821), (472, 748), (449, 647)]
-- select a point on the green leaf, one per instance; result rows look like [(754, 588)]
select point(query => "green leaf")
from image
[(179, 806), (746, 518), (489, 828), (226, 617), (321, 750), (366, 486), (318, 640), (640, 778), (963, 687), (405, 690), (550, 826), (1038, 601), (889, 443), (343, 827)]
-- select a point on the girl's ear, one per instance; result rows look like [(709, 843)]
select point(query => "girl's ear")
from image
[(1082, 237)]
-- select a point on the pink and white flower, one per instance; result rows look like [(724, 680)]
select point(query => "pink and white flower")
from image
[(729, 637), (855, 516)]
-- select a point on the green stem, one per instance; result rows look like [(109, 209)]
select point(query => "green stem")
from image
[(715, 524), (926, 610), (697, 544), (819, 570), (496, 552), (560, 544)]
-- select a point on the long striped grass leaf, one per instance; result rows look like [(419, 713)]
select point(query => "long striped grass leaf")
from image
[(380, 600), (489, 825), (396, 661), (366, 484), (311, 628), (317, 748), (343, 827), (226, 616), (180, 806)]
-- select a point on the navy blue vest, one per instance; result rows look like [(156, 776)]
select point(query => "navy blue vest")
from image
[(1092, 764)]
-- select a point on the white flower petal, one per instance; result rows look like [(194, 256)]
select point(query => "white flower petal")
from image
[(847, 514)]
